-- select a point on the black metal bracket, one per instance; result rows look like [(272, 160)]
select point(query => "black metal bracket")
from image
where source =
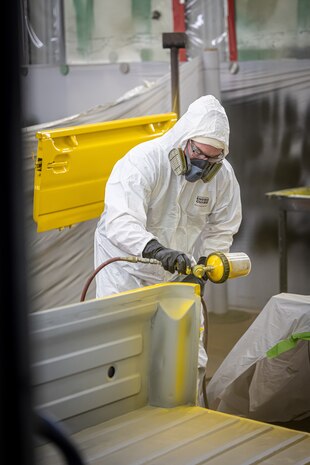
[(174, 41)]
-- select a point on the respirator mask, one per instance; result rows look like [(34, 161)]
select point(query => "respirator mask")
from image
[(195, 168)]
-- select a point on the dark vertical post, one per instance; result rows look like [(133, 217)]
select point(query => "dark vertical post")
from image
[(175, 93), (15, 398), (174, 41)]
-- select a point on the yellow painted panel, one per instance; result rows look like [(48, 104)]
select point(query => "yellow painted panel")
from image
[(73, 165)]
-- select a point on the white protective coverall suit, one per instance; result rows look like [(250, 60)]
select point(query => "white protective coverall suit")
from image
[(145, 200)]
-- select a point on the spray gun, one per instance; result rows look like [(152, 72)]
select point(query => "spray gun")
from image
[(218, 267)]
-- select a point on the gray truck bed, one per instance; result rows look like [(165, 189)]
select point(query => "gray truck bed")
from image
[(120, 374), (184, 435)]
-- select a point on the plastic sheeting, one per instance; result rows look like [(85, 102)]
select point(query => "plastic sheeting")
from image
[(258, 78), (250, 383)]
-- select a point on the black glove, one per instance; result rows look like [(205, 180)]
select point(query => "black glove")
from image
[(172, 260)]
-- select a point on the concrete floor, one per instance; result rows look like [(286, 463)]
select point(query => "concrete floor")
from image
[(224, 331)]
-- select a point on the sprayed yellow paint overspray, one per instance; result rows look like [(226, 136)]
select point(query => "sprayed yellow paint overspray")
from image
[(181, 366)]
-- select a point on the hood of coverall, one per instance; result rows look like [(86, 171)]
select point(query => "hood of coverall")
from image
[(205, 117)]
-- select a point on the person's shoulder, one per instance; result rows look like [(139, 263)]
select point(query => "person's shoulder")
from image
[(227, 173), (149, 152), (227, 166)]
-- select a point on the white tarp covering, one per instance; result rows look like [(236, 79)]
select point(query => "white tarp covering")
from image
[(251, 384)]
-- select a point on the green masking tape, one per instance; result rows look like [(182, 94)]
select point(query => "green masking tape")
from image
[(287, 344)]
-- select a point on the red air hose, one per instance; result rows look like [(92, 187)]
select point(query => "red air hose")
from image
[(130, 258), (87, 284)]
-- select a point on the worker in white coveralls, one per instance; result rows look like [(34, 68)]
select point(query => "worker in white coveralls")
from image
[(175, 198)]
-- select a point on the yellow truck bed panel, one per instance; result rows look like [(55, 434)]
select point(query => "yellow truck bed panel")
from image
[(73, 164)]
